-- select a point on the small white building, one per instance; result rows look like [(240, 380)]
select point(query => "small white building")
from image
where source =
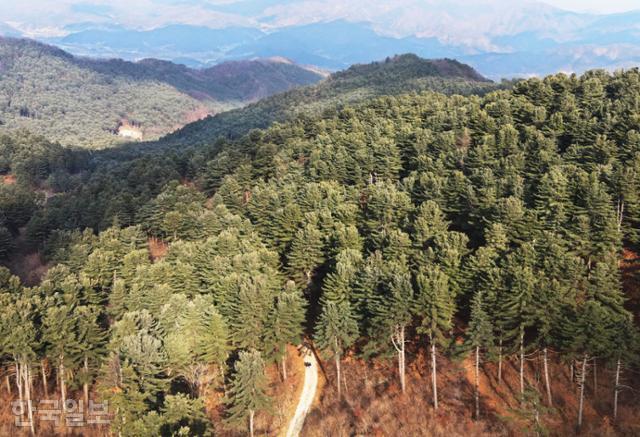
[(128, 130)]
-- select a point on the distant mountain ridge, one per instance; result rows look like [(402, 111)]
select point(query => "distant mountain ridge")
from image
[(85, 102), (232, 81), (449, 68), (396, 75), (521, 39)]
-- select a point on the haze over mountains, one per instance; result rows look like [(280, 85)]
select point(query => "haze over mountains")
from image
[(521, 38)]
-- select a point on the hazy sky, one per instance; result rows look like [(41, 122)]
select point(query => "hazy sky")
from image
[(603, 6), (47, 17)]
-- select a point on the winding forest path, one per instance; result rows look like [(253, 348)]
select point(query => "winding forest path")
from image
[(307, 396)]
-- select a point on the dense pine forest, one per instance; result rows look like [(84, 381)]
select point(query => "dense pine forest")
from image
[(488, 228), (395, 75)]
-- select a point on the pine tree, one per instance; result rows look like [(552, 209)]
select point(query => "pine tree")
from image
[(479, 337), (145, 357), (19, 336), (336, 331), (60, 334), (117, 386), (345, 238), (91, 340), (306, 254), (214, 345), (605, 285), (392, 311), (516, 219), (138, 360), (283, 223), (338, 285), (247, 393), (118, 299), (182, 415), (552, 295), (626, 182), (625, 350), (429, 223), (595, 209), (195, 338), (588, 333), (286, 323), (386, 209), (435, 307), (247, 310), (529, 413), (517, 305), (552, 200)]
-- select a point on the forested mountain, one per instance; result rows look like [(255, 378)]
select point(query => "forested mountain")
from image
[(396, 75), (86, 102), (398, 227)]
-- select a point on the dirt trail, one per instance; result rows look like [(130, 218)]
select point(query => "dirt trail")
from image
[(307, 396)]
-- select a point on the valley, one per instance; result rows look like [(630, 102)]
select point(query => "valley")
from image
[(86, 102)]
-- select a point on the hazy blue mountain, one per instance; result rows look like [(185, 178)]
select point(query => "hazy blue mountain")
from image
[(6, 30), (171, 43), (519, 39), (181, 38), (338, 44)]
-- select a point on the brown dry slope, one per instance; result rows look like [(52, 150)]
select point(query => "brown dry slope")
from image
[(374, 405)]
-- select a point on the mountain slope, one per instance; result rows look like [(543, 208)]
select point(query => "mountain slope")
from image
[(86, 102), (492, 210), (397, 75)]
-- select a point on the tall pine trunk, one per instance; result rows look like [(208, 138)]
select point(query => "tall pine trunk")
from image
[(500, 362), (44, 379), (27, 386), (521, 363), (397, 338), (546, 377), (572, 372), (595, 377), (23, 381), (434, 375), (582, 383), (251, 414), (19, 382), (402, 347), (615, 391), (620, 214), (338, 370), (6, 380), (338, 376), (85, 386), (63, 386), (284, 367), (477, 393)]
